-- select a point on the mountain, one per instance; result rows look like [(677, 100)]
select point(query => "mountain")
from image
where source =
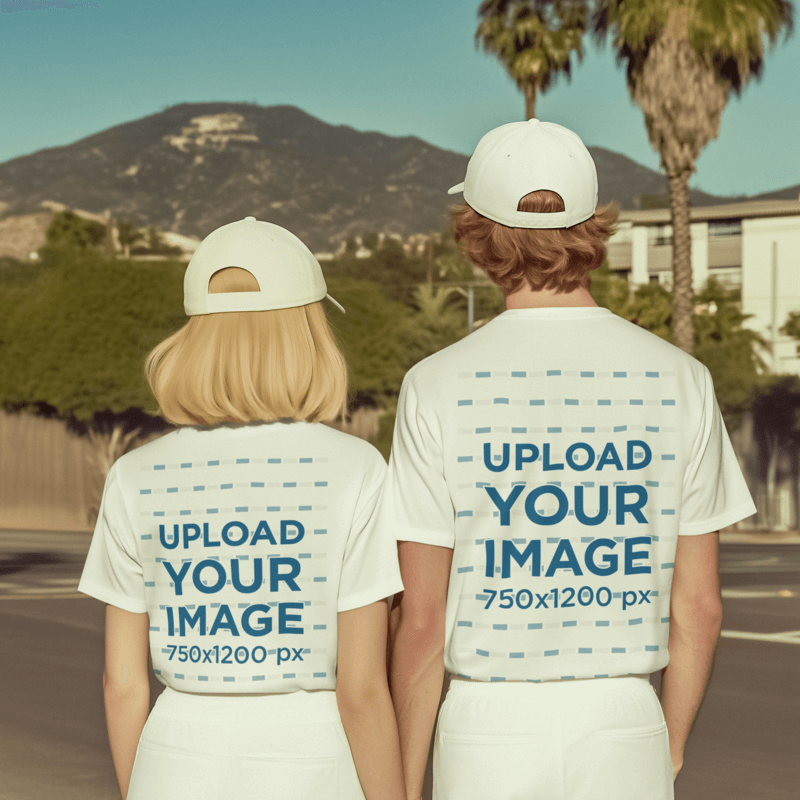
[(195, 166), (789, 193)]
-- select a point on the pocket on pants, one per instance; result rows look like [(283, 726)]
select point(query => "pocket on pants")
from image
[(622, 764), (167, 773), (287, 778), (467, 767)]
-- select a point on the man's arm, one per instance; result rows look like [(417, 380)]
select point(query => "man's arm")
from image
[(695, 623), (126, 687), (416, 655)]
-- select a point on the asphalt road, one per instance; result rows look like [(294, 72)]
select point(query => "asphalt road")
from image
[(52, 732)]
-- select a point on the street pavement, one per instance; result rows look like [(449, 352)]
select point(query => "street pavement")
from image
[(53, 742)]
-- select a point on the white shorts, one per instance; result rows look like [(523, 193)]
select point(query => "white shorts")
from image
[(599, 739), (218, 747)]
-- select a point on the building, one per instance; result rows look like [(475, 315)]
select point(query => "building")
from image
[(754, 244)]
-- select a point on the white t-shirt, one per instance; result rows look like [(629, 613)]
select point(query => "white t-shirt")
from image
[(560, 452), (242, 543)]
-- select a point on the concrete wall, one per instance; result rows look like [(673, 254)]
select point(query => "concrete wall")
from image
[(49, 479)]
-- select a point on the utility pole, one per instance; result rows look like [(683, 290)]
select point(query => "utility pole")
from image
[(774, 307)]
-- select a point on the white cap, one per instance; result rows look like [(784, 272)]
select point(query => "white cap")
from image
[(288, 275), (523, 157)]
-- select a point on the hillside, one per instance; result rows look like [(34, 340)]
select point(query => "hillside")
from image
[(195, 166)]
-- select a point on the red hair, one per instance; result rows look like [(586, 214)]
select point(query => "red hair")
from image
[(545, 258)]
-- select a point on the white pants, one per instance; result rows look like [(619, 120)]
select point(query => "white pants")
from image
[(217, 747), (599, 739)]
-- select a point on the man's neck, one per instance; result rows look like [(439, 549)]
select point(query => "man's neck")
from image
[(548, 298)]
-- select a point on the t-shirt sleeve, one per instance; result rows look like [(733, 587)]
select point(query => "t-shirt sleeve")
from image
[(113, 572), (370, 569), (715, 493), (416, 500)]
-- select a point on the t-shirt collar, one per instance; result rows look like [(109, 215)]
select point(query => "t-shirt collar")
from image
[(555, 312)]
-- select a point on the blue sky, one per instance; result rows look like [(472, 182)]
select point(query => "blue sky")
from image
[(403, 67)]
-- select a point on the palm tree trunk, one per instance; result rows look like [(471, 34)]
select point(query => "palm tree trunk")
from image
[(796, 483), (530, 101), (683, 299)]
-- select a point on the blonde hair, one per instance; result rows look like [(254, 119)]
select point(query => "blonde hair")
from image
[(554, 258), (249, 366)]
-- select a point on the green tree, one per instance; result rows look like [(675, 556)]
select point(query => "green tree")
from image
[(450, 263), (650, 307), (721, 341), (608, 289), (533, 39), (792, 328), (155, 245), (75, 338), (370, 240), (395, 272), (128, 233), (729, 349), (436, 324), (73, 342), (683, 59), (67, 229), (376, 356)]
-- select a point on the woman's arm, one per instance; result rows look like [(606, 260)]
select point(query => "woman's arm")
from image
[(365, 706), (126, 687)]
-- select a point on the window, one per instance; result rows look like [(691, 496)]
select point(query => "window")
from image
[(725, 227), (729, 277), (660, 235)]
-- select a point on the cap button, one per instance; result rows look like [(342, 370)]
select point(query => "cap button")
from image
[(249, 219), (533, 121)]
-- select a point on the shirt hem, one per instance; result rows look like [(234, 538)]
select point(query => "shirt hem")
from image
[(380, 592), (425, 537), (112, 598), (720, 521)]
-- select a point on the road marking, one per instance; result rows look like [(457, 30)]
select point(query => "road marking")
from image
[(787, 637), (740, 593), (758, 562)]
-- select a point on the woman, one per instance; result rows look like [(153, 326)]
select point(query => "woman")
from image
[(241, 548)]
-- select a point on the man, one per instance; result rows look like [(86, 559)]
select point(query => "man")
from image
[(557, 483)]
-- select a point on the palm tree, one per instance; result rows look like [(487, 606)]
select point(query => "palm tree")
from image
[(435, 324), (128, 233), (534, 40), (684, 58)]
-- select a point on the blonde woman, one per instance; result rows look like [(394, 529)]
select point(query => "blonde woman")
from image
[(241, 549)]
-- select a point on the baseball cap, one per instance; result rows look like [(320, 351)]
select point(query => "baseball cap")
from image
[(288, 275), (522, 157)]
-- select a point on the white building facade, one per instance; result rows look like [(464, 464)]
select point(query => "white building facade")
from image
[(754, 245)]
